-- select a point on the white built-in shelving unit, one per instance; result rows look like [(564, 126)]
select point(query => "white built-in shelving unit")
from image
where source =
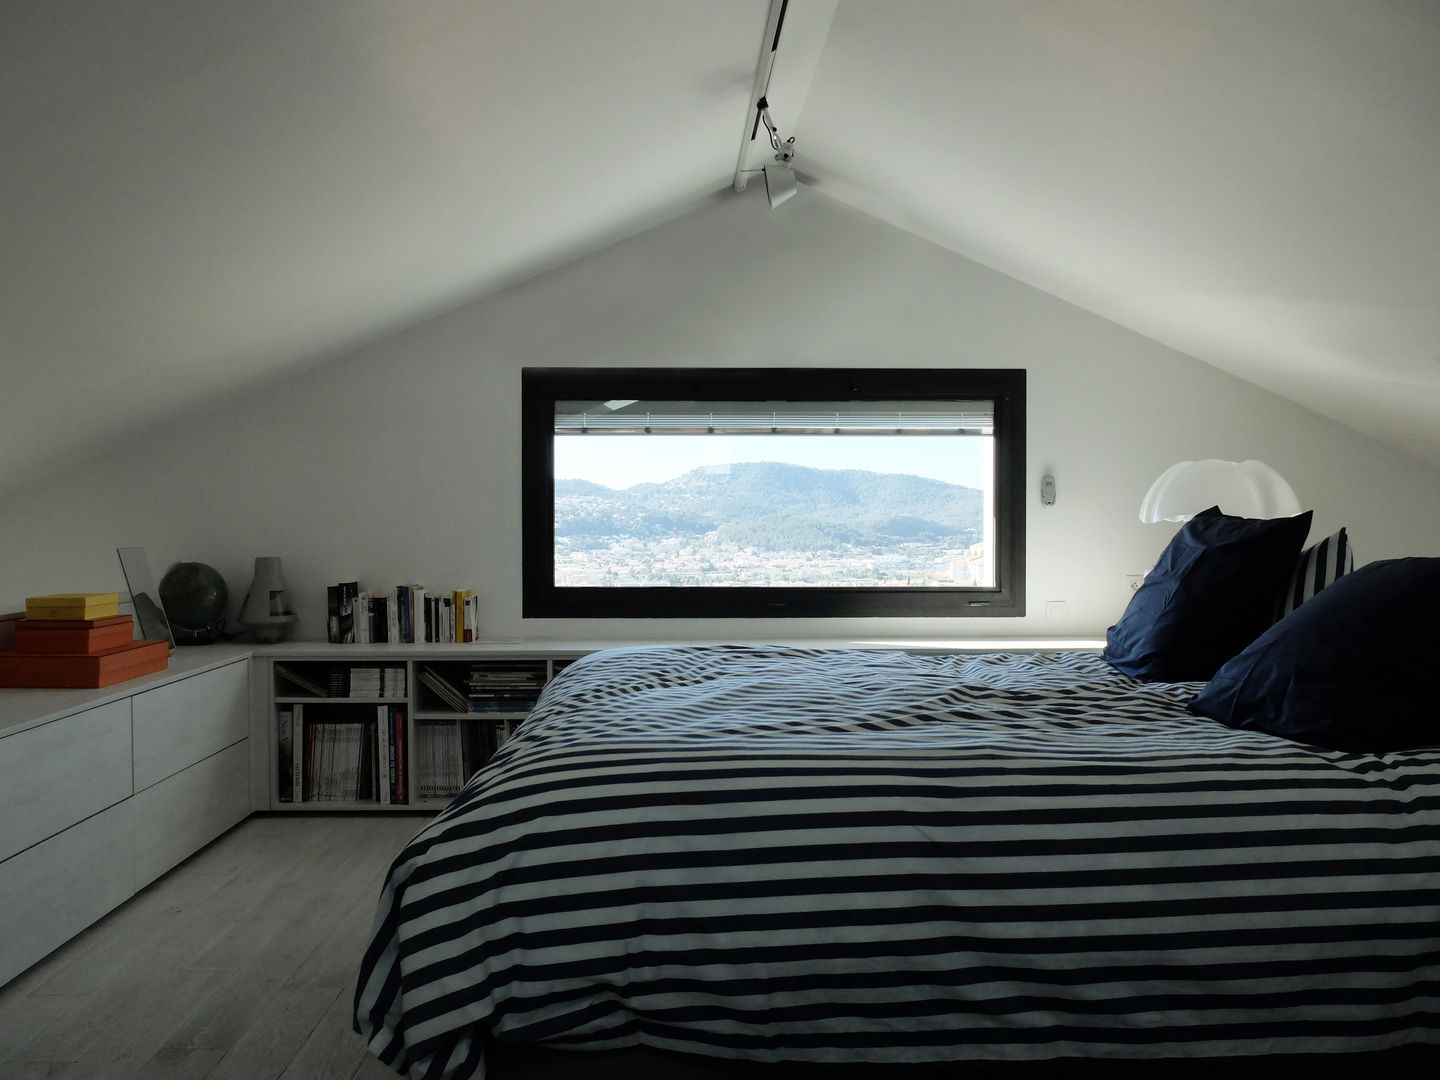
[(391, 727)]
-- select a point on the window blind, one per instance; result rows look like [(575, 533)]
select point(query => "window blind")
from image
[(775, 418)]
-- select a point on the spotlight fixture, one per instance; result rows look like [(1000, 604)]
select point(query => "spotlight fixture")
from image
[(779, 176), (780, 180), (779, 184)]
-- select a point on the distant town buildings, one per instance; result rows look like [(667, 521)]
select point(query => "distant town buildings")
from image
[(689, 561)]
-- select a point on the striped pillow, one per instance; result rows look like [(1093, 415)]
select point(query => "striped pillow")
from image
[(1319, 566)]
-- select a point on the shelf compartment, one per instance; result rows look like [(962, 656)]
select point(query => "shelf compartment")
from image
[(448, 751), (342, 753), (481, 686), (435, 718), (306, 679)]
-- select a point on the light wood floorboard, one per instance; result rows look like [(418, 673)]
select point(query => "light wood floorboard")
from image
[(237, 965), (240, 965)]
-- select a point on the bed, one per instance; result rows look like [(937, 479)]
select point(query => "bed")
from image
[(764, 854)]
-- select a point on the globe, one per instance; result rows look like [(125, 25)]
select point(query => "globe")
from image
[(194, 597)]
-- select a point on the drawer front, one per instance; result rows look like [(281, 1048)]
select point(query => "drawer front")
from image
[(183, 722), (52, 891), (178, 816), (62, 772)]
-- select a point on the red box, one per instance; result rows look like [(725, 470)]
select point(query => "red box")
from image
[(128, 661), (73, 635)]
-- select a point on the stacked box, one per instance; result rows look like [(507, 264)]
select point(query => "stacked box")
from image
[(78, 640)]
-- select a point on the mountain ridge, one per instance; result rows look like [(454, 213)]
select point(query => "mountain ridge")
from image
[(774, 506)]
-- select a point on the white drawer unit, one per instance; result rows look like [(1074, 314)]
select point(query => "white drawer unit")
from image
[(54, 890), (62, 772), (185, 721), (107, 789), (176, 817)]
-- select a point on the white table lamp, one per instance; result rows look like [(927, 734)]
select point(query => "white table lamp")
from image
[(1249, 489)]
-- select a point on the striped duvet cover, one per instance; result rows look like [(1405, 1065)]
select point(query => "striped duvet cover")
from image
[(785, 855)]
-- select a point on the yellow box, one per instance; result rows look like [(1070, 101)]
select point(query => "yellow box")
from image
[(72, 606)]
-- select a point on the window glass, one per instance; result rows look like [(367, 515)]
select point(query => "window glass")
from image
[(896, 492)]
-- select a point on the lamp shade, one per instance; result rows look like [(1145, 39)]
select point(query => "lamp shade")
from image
[(1248, 489), (780, 183)]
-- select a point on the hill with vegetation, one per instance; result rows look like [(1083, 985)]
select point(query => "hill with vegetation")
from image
[(773, 507)]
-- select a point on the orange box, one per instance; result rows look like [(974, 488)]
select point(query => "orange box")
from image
[(73, 635), (127, 661)]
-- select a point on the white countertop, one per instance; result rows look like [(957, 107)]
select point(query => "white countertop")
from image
[(24, 707), (321, 650)]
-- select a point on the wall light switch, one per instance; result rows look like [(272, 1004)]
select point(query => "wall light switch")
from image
[(1056, 611)]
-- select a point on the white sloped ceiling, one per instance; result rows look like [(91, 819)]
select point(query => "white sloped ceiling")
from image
[(199, 195)]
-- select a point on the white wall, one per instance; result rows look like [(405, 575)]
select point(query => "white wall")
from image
[(400, 462)]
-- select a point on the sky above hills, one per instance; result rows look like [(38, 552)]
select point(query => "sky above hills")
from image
[(620, 462)]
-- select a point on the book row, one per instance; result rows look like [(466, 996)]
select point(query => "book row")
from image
[(483, 687), (342, 758), (340, 680), (355, 755), (479, 686), (407, 614), (447, 753)]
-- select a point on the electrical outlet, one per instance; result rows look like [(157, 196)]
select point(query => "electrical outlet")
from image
[(1133, 582)]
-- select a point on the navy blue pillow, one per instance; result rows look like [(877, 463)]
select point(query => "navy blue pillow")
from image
[(1349, 669), (1213, 591)]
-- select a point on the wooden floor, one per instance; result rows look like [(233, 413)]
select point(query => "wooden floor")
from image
[(238, 965)]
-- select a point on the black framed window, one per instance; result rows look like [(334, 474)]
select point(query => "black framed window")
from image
[(750, 492)]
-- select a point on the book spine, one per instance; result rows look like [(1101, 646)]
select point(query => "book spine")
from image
[(402, 786), (369, 788), (319, 762), (379, 619), (349, 596), (385, 782), (285, 752), (332, 614), (297, 776), (354, 759)]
